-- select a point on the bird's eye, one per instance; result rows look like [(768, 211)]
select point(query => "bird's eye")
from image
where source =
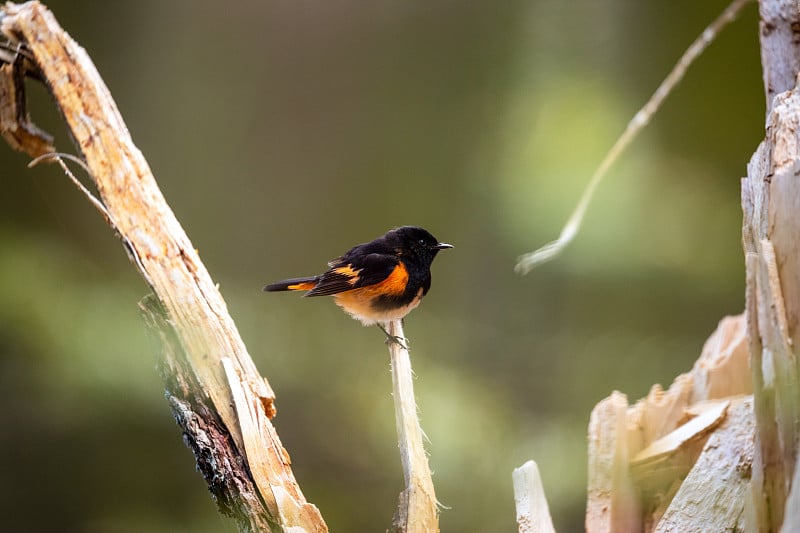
[(422, 242)]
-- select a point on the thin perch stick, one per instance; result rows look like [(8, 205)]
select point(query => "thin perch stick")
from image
[(528, 261), (417, 510)]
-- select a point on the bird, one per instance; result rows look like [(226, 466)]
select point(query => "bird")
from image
[(378, 281)]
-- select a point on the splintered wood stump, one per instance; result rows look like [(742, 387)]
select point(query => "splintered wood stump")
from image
[(533, 514), (771, 206), (640, 455), (714, 494), (771, 230), (770, 235), (613, 502)]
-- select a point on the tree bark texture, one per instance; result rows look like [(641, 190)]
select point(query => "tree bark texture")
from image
[(780, 46)]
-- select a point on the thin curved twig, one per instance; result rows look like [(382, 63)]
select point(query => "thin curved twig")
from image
[(527, 262)]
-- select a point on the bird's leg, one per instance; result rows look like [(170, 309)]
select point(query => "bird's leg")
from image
[(400, 341)]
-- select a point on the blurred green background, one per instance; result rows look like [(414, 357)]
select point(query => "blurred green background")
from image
[(281, 133)]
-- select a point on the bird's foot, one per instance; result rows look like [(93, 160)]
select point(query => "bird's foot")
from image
[(400, 341)]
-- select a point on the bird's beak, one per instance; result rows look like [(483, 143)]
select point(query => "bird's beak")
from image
[(442, 246)]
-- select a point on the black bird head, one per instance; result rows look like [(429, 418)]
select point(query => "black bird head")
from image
[(415, 241)]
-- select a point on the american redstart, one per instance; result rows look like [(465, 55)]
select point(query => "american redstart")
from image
[(379, 281)]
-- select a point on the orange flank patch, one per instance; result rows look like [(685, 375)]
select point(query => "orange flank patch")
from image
[(307, 286), (358, 302), (394, 284), (348, 271)]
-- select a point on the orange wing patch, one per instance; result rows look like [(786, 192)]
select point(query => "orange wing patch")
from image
[(348, 272), (307, 286)]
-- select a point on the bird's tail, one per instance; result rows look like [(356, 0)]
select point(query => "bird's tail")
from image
[(294, 284)]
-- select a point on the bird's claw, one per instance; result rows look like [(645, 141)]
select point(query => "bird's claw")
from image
[(400, 341)]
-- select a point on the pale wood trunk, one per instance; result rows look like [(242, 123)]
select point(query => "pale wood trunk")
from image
[(221, 401), (771, 239)]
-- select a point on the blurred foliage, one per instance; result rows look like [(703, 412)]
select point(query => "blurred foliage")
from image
[(282, 133)]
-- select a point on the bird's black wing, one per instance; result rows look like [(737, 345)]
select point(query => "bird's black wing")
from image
[(354, 270)]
